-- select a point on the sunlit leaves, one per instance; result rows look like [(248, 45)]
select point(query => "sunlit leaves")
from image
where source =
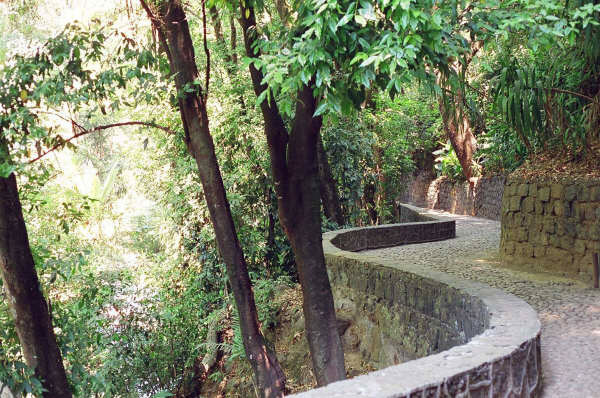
[(342, 48), (74, 71), (540, 88)]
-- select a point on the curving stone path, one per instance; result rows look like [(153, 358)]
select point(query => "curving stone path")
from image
[(569, 310)]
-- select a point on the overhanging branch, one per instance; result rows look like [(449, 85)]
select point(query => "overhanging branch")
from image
[(83, 131)]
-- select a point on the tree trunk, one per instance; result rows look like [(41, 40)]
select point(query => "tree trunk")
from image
[(173, 27), (303, 227), (457, 123), (369, 204), (295, 173), (32, 318), (459, 130), (380, 196), (230, 55), (233, 39), (328, 188), (271, 260)]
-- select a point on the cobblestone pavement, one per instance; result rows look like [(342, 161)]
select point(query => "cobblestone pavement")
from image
[(569, 310)]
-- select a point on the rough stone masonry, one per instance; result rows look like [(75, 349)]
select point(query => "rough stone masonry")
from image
[(551, 225)]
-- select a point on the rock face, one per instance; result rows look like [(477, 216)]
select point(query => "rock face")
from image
[(551, 225)]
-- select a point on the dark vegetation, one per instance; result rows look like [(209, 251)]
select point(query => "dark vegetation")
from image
[(167, 167)]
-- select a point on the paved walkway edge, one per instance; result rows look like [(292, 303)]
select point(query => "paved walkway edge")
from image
[(502, 361)]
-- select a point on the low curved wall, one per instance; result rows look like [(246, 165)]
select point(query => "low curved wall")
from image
[(472, 340), (415, 228)]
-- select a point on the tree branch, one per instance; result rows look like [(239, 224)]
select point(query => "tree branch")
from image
[(573, 93), (83, 131)]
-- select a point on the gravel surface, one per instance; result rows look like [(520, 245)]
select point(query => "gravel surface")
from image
[(568, 309)]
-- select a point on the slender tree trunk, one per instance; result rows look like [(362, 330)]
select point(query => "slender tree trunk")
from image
[(218, 28), (171, 22), (295, 171), (283, 11), (233, 39), (328, 188), (369, 204), (380, 196), (29, 307), (271, 243), (230, 55)]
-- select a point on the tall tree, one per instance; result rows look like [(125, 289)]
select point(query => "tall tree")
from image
[(30, 310), (296, 177), (454, 111), (169, 20), (331, 55)]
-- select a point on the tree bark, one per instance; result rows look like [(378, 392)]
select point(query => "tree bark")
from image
[(303, 228), (170, 21), (30, 310), (295, 173), (457, 123), (380, 197), (460, 132), (233, 39), (328, 189), (369, 204)]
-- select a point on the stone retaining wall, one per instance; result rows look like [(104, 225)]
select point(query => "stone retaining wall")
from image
[(483, 198), (551, 225), (415, 228), (472, 340)]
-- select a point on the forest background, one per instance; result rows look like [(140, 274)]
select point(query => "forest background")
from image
[(119, 230)]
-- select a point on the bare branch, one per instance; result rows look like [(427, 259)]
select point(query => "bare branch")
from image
[(83, 131)]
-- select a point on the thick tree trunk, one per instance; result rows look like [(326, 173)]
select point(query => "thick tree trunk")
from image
[(174, 28), (32, 318), (460, 132), (457, 123), (303, 228), (328, 188), (283, 11), (295, 171)]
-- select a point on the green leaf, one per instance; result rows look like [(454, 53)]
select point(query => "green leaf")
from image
[(163, 394), (320, 109), (360, 20), (6, 170), (345, 19), (369, 61)]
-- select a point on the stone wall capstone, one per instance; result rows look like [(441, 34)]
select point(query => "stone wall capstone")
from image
[(551, 225)]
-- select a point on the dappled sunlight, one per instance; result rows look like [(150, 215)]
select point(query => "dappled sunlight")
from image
[(176, 163)]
